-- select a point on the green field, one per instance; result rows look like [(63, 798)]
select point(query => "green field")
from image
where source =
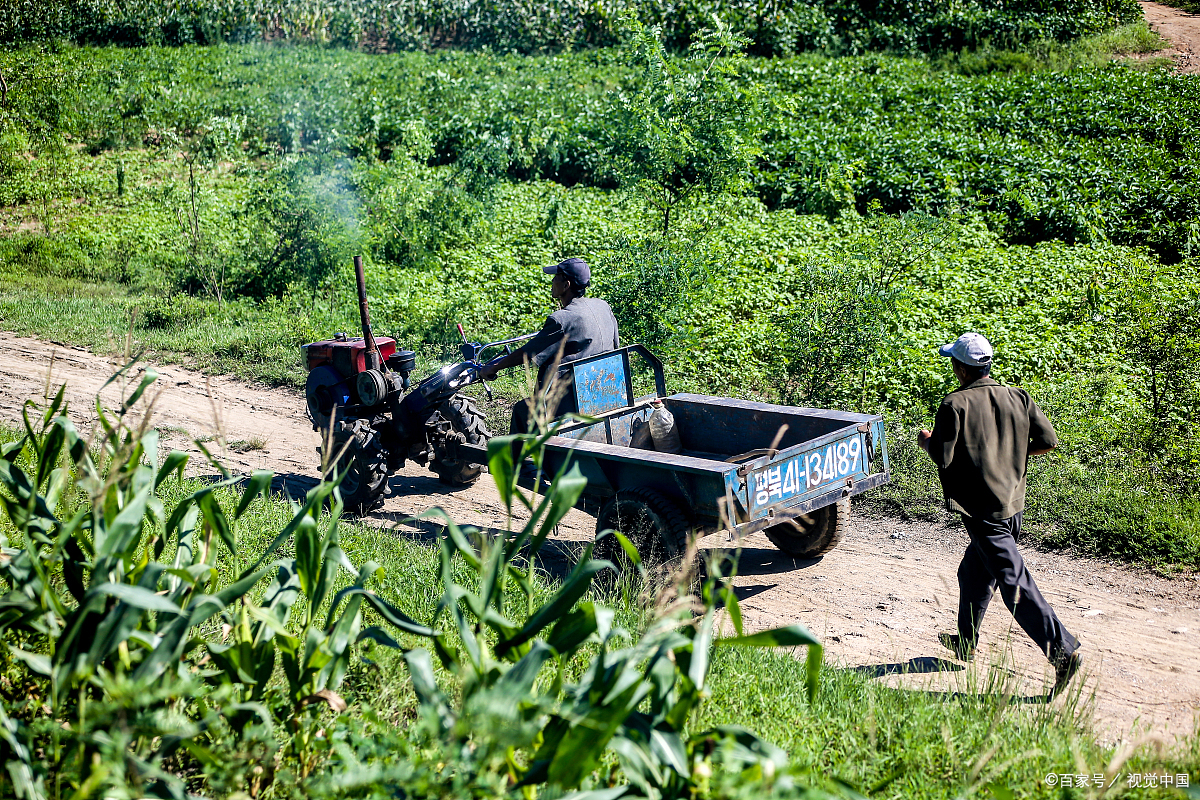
[(862, 210), (794, 203)]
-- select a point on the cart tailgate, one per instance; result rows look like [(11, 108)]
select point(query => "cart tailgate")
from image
[(851, 460)]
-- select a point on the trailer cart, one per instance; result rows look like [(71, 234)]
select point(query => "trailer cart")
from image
[(745, 467)]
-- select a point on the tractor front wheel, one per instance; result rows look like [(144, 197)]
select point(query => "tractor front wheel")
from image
[(363, 462)]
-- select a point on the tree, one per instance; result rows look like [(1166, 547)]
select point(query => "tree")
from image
[(201, 144), (690, 128)]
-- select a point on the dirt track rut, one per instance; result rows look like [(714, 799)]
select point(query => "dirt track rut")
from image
[(1181, 29), (878, 600)]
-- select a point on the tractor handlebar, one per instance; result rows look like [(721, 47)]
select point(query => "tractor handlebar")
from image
[(480, 348), (471, 369)]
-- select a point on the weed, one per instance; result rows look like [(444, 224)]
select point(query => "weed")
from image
[(248, 445)]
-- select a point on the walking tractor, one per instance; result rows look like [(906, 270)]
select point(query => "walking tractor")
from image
[(744, 467)]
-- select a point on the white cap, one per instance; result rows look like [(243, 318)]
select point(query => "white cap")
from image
[(970, 348)]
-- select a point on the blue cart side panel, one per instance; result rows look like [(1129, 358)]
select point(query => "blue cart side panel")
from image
[(877, 453), (603, 384), (618, 428)]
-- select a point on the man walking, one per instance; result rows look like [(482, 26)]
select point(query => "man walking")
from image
[(982, 437)]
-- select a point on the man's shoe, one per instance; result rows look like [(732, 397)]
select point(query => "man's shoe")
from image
[(1064, 670), (963, 650)]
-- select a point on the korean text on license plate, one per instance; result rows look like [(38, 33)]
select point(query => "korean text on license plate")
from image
[(804, 473)]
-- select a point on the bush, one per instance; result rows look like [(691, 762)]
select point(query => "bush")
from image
[(176, 311), (309, 214), (651, 286), (831, 340), (1158, 317), (775, 28), (63, 256)]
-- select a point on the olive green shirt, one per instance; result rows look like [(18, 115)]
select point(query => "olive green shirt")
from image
[(982, 436)]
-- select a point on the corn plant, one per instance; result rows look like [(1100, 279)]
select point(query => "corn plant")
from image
[(315, 658), (83, 514), (93, 613), (635, 696), (137, 683)]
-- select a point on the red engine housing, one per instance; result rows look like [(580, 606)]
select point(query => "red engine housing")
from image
[(347, 356)]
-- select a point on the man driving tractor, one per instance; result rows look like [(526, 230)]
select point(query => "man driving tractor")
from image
[(582, 327)]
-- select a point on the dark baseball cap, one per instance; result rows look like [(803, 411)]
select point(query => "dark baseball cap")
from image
[(576, 270)]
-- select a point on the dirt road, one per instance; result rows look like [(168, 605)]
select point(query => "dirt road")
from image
[(1181, 29), (878, 600)]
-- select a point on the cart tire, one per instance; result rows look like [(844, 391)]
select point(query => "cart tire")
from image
[(655, 525), (464, 418), (814, 534), (363, 462)]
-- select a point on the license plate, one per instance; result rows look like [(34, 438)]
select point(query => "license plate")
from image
[(805, 473)]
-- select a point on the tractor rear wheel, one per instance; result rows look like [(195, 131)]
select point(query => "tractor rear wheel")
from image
[(656, 526), (812, 535), (363, 462), (465, 419)]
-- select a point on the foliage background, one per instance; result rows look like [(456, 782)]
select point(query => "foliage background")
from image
[(791, 202), (774, 28)]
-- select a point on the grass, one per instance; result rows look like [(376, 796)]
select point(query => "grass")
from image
[(894, 742), (1190, 6), (248, 445), (1136, 39)]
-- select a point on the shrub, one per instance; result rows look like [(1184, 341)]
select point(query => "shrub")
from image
[(309, 213), (176, 311), (775, 28)]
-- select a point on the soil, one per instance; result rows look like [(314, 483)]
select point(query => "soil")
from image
[(1181, 29), (877, 601)]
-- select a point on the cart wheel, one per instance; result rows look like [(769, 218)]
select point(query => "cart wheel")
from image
[(464, 418), (363, 462), (812, 535), (655, 525)]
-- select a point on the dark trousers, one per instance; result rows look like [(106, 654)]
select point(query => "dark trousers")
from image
[(519, 422), (992, 559), (521, 410)]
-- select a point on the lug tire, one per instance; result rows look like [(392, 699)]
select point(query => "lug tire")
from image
[(466, 419), (363, 462), (656, 526), (813, 534), (317, 388)]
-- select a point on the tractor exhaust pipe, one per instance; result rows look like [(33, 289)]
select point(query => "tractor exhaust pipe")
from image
[(372, 354)]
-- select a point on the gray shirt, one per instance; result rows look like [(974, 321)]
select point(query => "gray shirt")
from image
[(981, 440), (586, 327)]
